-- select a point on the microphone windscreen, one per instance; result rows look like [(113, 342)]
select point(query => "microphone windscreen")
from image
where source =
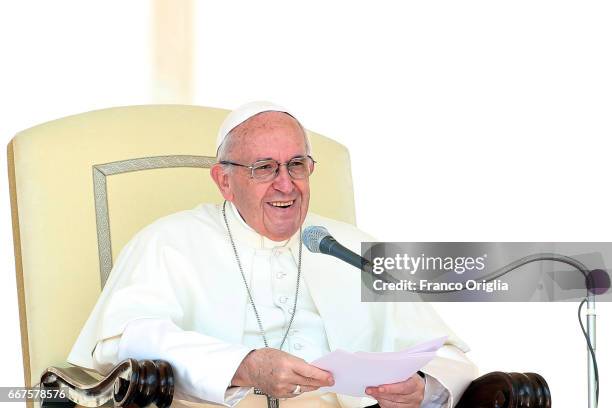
[(598, 281), (312, 237)]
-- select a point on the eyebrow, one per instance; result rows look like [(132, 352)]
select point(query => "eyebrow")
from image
[(270, 158)]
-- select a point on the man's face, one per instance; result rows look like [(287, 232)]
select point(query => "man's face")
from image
[(263, 205)]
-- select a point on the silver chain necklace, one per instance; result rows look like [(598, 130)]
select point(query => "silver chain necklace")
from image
[(272, 402)]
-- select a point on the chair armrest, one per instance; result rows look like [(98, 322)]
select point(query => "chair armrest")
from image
[(145, 382), (130, 382), (506, 390)]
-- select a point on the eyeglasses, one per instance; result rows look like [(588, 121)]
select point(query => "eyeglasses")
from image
[(266, 170)]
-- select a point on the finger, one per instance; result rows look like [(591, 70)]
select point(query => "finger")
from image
[(295, 377), (403, 387), (315, 376), (393, 397), (397, 398), (303, 389), (309, 384), (309, 381), (306, 383), (386, 399)]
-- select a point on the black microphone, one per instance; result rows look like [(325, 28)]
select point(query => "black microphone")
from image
[(318, 240)]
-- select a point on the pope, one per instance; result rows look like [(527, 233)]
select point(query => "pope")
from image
[(226, 294)]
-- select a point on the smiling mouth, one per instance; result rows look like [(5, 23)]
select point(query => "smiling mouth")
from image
[(281, 204)]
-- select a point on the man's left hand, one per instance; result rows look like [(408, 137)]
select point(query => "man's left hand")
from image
[(405, 394)]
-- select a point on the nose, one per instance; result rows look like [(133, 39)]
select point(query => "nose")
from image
[(283, 181)]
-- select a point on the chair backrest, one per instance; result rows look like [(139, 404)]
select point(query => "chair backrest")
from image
[(81, 186)]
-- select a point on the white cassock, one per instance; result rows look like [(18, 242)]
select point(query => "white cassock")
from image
[(176, 294)]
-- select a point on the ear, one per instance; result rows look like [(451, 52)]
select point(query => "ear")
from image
[(221, 179)]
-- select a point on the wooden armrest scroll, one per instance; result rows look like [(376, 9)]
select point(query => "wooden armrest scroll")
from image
[(130, 383), (506, 390)]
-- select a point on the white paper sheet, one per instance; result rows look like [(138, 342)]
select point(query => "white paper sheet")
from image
[(353, 372)]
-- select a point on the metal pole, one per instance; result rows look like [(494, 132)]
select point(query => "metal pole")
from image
[(591, 335)]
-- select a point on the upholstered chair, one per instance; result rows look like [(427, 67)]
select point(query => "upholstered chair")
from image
[(83, 185)]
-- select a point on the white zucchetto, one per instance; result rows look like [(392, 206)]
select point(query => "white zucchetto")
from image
[(244, 112)]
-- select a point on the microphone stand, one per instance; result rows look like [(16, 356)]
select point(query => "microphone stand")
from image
[(593, 391), (590, 312)]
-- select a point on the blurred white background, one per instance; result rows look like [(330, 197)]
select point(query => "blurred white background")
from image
[(466, 121)]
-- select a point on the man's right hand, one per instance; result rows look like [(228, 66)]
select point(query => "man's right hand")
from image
[(277, 373)]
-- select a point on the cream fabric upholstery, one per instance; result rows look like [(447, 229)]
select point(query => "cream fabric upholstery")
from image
[(54, 216)]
